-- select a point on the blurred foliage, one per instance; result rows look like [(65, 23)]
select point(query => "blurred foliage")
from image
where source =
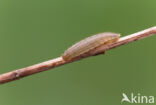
[(32, 31)]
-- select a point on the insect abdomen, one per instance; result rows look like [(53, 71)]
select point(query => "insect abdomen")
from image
[(89, 44)]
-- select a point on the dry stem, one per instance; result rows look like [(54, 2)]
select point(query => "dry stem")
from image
[(17, 74)]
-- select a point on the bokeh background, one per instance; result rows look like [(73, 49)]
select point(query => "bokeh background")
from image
[(32, 31)]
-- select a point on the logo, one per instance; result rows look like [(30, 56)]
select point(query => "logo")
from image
[(138, 98)]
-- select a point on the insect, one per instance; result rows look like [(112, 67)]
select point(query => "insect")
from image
[(89, 44)]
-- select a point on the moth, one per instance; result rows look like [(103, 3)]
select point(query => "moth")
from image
[(85, 46)]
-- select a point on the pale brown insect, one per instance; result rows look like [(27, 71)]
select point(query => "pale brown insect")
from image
[(89, 44)]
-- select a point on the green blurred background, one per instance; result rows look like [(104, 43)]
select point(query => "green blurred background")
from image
[(32, 31)]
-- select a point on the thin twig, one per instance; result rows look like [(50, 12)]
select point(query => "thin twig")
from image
[(17, 74)]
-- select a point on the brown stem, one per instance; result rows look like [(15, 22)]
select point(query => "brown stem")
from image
[(17, 74)]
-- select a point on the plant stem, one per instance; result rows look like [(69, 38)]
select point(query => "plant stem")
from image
[(17, 74)]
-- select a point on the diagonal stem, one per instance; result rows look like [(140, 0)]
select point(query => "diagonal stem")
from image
[(17, 74)]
